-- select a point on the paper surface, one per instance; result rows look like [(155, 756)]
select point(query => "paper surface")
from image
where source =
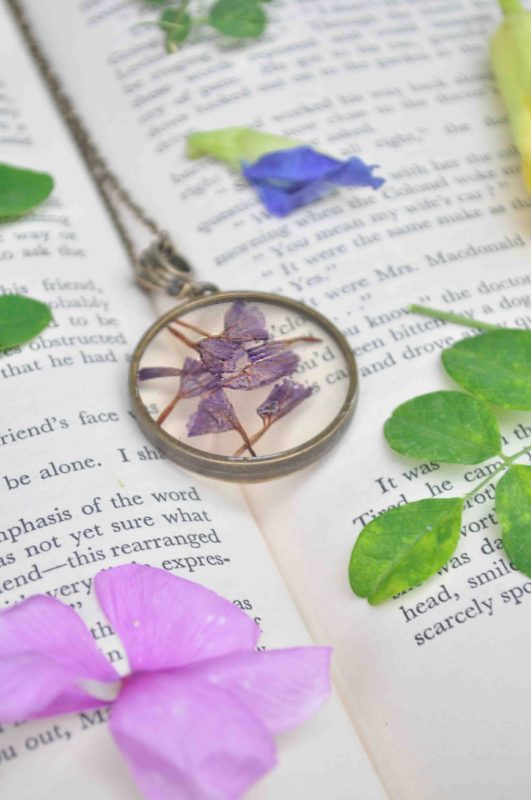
[(81, 488), (435, 692)]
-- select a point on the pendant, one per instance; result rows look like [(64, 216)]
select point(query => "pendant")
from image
[(240, 386)]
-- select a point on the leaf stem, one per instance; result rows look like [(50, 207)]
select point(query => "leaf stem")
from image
[(507, 461), (447, 316)]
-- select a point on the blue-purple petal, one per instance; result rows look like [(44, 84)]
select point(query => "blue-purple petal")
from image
[(295, 164), (356, 172), (288, 179), (281, 202)]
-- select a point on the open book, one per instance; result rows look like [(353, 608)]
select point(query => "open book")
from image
[(431, 703)]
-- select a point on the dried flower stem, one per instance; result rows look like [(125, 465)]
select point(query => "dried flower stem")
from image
[(248, 442), (194, 328), (256, 436), (182, 338), (169, 408)]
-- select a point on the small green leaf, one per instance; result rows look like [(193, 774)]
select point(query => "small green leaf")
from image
[(513, 506), (494, 366), (21, 318), (22, 189), (234, 145), (242, 19), (177, 23), (404, 546), (451, 427)]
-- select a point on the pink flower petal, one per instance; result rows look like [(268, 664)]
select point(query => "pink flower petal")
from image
[(45, 653), (165, 621), (281, 687), (187, 740)]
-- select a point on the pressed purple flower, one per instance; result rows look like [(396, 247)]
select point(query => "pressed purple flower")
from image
[(220, 355), (148, 373), (244, 323), (215, 414), (288, 179), (196, 714), (195, 379), (267, 363), (282, 399)]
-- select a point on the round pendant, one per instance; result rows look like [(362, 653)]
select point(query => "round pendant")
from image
[(243, 386)]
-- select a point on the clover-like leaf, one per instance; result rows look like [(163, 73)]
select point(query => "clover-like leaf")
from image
[(495, 366), (451, 427), (177, 23), (242, 19), (404, 546), (22, 189), (513, 507), (21, 318)]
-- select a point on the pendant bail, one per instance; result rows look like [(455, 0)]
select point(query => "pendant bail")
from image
[(160, 266)]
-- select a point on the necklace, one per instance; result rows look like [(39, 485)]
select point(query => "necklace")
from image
[(239, 386)]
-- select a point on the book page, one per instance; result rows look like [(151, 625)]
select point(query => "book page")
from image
[(434, 680), (82, 490)]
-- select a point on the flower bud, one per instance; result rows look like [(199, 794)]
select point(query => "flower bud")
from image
[(511, 61)]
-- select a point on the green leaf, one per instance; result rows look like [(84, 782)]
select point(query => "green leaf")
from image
[(234, 145), (241, 19), (22, 189), (451, 427), (177, 23), (513, 507), (21, 318), (495, 366), (404, 546)]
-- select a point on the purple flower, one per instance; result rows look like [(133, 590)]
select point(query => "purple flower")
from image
[(215, 414), (196, 714), (148, 373), (288, 179), (267, 363), (195, 379), (220, 355), (282, 399), (244, 323)]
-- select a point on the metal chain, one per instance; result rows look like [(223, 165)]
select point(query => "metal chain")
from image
[(160, 266)]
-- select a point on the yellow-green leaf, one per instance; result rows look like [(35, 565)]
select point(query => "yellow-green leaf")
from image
[(495, 366), (451, 427), (234, 145), (510, 52), (404, 546), (513, 507)]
